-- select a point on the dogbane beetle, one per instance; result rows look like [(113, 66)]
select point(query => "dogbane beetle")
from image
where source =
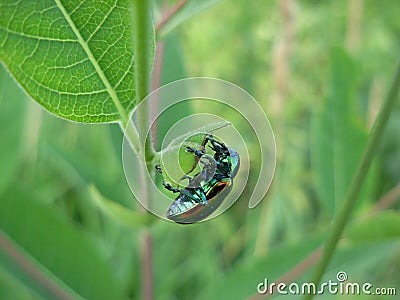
[(207, 189)]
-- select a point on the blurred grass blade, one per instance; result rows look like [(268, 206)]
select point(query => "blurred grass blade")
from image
[(385, 225), (120, 214), (359, 178), (75, 58), (64, 250), (84, 163), (31, 274), (12, 288), (188, 10), (337, 139)]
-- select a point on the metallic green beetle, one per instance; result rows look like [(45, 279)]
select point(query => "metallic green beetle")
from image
[(199, 198)]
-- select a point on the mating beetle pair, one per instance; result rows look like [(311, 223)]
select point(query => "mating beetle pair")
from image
[(208, 188)]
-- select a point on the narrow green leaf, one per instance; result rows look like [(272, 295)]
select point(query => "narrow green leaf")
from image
[(11, 288), (82, 158), (30, 274), (337, 138), (191, 8), (385, 225), (75, 58), (359, 179), (120, 214), (68, 253)]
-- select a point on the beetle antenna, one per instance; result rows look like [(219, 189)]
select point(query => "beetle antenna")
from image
[(222, 126)]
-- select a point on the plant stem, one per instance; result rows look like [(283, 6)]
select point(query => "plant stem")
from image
[(144, 41), (357, 182), (131, 134), (147, 264), (169, 15)]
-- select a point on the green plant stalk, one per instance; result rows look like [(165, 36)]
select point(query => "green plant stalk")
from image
[(358, 180), (131, 133), (144, 41), (143, 29)]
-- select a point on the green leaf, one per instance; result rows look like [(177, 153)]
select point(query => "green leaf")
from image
[(385, 225), (75, 58), (337, 138), (81, 158), (176, 162), (68, 254), (120, 214)]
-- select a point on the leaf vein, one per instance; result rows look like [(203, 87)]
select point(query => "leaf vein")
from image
[(112, 93), (40, 38), (102, 22)]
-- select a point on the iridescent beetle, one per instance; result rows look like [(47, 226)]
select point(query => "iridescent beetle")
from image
[(204, 194)]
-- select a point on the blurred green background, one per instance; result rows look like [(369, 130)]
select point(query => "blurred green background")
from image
[(319, 69)]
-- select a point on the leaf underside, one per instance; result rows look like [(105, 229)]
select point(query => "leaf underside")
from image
[(73, 57), (176, 161)]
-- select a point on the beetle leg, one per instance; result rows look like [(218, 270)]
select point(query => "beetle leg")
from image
[(169, 187), (216, 146), (209, 138), (185, 177), (196, 152), (158, 168)]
